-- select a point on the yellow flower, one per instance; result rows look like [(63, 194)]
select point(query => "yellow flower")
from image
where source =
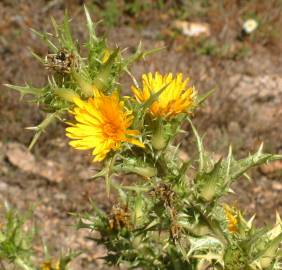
[(48, 266), (176, 97), (231, 219), (106, 56), (101, 124)]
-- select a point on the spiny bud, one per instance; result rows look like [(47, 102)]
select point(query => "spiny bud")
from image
[(147, 172), (66, 94), (159, 140), (86, 87)]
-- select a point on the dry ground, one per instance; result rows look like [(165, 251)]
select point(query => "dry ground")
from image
[(245, 110)]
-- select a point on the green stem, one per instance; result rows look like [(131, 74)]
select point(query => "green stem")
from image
[(109, 169)]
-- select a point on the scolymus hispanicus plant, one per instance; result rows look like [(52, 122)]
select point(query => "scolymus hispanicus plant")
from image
[(170, 216)]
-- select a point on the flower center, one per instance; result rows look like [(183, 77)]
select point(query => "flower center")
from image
[(111, 130)]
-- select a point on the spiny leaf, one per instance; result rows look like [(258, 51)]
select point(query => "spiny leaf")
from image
[(199, 145), (38, 58), (90, 26), (209, 182), (184, 168), (203, 244), (228, 164), (100, 80), (42, 127), (239, 167), (268, 254), (45, 39), (25, 90), (139, 54), (202, 98), (106, 172), (65, 36), (66, 259)]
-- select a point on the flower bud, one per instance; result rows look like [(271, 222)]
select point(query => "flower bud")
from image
[(208, 191), (200, 229), (137, 241), (66, 94), (147, 172), (159, 140), (210, 183), (86, 87)]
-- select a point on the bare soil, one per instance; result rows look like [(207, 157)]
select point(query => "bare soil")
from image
[(245, 110)]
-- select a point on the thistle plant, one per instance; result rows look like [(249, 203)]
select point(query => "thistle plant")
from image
[(17, 233), (171, 215)]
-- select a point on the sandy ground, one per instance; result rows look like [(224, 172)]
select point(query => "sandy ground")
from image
[(245, 110)]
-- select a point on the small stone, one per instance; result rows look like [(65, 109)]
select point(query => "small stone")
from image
[(277, 186), (193, 29), (3, 186), (272, 168), (50, 170), (19, 156)]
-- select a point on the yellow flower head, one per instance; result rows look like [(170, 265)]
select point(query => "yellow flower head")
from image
[(176, 97), (231, 219), (101, 124), (48, 266)]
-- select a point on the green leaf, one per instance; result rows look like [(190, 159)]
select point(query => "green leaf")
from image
[(267, 256), (25, 90), (106, 172), (139, 54), (209, 182), (66, 259), (101, 79), (202, 98), (46, 40), (65, 35), (238, 168), (91, 27), (205, 243), (217, 181), (199, 146), (50, 117), (38, 58)]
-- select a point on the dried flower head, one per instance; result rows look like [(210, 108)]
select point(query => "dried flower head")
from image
[(102, 124), (119, 217), (176, 97), (62, 61)]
